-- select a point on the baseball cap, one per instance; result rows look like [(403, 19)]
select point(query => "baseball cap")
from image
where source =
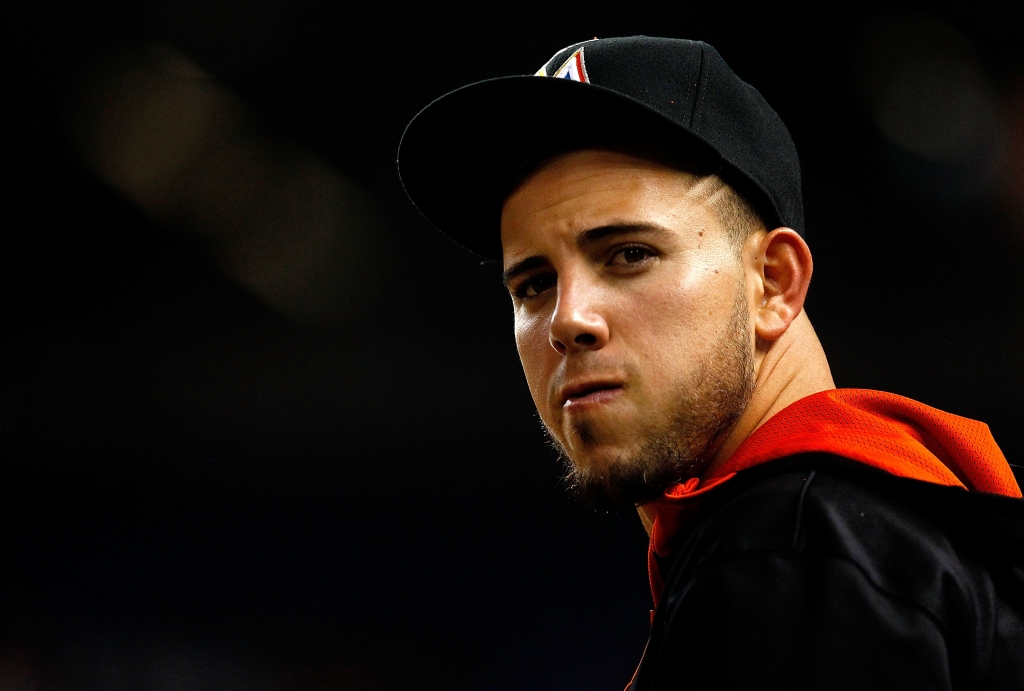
[(463, 154)]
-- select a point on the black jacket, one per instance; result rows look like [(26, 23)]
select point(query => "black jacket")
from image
[(814, 572)]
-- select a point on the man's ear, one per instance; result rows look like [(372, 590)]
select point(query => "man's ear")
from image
[(783, 266)]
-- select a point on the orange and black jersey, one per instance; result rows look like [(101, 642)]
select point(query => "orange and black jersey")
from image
[(856, 540)]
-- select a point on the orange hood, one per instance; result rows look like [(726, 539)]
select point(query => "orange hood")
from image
[(882, 430)]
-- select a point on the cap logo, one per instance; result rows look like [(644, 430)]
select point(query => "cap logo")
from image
[(574, 68)]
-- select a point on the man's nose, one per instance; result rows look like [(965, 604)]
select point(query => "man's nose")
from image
[(578, 322)]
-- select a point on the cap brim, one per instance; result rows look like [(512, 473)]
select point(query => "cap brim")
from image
[(459, 156)]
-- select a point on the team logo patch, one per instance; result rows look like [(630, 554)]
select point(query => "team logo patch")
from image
[(575, 68)]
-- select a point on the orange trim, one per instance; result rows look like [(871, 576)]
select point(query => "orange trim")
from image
[(885, 431)]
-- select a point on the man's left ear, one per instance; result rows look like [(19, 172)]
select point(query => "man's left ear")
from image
[(783, 266)]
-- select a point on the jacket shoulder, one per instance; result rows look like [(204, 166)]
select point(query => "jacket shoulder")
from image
[(845, 575), (894, 528), (824, 510)]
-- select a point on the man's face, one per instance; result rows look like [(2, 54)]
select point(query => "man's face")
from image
[(631, 320)]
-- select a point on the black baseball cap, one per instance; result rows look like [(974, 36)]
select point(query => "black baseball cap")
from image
[(462, 154)]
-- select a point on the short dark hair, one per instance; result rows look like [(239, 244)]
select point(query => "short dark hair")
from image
[(735, 214)]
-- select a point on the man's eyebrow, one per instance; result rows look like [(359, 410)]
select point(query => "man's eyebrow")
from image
[(591, 236), (521, 267), (587, 237)]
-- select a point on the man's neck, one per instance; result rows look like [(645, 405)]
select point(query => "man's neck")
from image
[(790, 368)]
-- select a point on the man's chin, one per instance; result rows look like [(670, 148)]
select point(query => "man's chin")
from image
[(597, 462), (610, 472), (596, 441), (613, 486), (610, 477)]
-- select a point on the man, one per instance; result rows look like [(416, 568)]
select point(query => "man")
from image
[(646, 206)]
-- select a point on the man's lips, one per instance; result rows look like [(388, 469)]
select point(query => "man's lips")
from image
[(589, 393)]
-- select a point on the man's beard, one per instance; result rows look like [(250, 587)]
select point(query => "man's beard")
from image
[(708, 402)]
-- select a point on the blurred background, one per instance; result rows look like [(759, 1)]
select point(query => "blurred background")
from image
[(264, 429)]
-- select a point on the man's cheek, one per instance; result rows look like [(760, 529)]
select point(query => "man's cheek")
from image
[(531, 355)]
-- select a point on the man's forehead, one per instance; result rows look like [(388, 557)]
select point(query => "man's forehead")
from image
[(583, 165), (581, 190)]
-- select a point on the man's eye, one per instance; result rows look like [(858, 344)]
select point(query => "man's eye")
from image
[(632, 255), (532, 287)]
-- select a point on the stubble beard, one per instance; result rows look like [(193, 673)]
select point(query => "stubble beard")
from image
[(708, 402)]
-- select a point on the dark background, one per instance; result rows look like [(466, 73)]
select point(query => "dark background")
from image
[(211, 482)]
